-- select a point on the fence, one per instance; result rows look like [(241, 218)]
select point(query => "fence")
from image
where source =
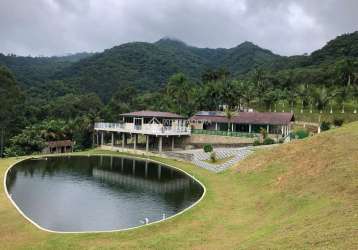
[(224, 133)]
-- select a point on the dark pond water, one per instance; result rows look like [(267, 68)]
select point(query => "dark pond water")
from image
[(96, 193)]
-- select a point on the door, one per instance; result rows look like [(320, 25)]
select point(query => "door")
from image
[(138, 122)]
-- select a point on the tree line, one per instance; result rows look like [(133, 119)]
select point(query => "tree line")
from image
[(28, 120)]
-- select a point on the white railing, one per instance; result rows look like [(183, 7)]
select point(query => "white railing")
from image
[(157, 129)]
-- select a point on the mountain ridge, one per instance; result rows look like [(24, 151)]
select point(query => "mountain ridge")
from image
[(148, 66)]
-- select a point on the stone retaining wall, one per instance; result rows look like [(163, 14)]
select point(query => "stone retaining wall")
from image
[(198, 139)]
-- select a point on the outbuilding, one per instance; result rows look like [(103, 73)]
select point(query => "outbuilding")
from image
[(243, 122)]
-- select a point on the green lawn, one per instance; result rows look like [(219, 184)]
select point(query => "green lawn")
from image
[(301, 195)]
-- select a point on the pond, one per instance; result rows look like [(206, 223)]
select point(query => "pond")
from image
[(98, 193)]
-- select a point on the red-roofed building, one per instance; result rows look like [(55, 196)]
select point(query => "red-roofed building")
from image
[(245, 122), (64, 146)]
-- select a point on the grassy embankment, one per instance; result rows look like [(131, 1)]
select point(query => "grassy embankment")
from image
[(298, 195)]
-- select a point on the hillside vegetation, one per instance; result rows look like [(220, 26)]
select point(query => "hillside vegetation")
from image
[(148, 66), (169, 75), (301, 195)]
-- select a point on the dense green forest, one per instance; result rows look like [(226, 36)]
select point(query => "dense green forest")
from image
[(54, 98)]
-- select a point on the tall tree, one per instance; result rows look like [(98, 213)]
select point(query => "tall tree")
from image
[(10, 98), (179, 90), (229, 115)]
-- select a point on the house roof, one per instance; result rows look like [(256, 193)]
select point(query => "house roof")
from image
[(54, 144), (149, 113), (274, 118)]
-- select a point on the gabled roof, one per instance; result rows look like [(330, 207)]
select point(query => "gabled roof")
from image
[(149, 113), (274, 118)]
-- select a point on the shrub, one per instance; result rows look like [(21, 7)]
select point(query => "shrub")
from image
[(256, 143), (263, 133), (325, 126), (300, 133), (213, 156), (338, 122), (281, 140), (268, 141), (208, 148)]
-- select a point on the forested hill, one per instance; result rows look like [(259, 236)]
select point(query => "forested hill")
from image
[(148, 66), (35, 71)]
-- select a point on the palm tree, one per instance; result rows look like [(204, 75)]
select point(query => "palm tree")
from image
[(302, 92), (178, 89), (291, 96), (229, 114), (249, 93), (345, 71), (322, 97), (354, 93), (213, 94), (239, 87), (342, 95)]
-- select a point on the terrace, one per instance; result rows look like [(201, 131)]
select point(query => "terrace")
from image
[(153, 125)]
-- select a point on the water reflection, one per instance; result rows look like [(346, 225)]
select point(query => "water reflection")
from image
[(99, 192)]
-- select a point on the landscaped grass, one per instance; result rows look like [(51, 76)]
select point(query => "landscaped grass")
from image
[(301, 195)]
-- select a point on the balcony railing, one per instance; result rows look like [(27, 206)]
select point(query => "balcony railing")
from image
[(156, 129), (224, 133)]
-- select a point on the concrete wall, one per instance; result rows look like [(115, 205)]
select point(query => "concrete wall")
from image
[(198, 140)]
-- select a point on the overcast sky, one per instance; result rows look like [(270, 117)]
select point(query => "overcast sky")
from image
[(287, 27)]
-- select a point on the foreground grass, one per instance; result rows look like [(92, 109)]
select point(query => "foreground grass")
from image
[(301, 195)]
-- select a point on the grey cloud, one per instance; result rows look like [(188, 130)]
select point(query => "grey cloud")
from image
[(48, 27)]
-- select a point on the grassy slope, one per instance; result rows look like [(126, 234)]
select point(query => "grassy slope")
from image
[(298, 195)]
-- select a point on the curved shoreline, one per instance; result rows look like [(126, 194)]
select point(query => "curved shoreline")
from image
[(103, 231)]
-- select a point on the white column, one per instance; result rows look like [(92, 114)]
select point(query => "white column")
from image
[(249, 128), (232, 127), (102, 137), (288, 129), (216, 126), (268, 128), (112, 140), (135, 142), (160, 144), (147, 143), (97, 138), (123, 139), (173, 143)]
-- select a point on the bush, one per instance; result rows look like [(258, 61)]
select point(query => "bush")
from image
[(300, 133), (213, 156), (263, 133), (281, 140), (256, 143), (338, 122), (14, 150), (325, 126), (268, 141), (208, 148)]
